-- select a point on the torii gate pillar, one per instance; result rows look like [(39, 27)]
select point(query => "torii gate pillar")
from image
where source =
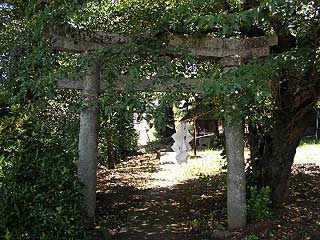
[(236, 183), (88, 139)]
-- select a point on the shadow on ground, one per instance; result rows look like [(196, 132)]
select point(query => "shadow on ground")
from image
[(130, 209), (162, 213)]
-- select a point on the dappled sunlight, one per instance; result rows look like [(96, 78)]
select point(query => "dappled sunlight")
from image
[(161, 201), (171, 173), (302, 212), (307, 154), (155, 199), (162, 213)]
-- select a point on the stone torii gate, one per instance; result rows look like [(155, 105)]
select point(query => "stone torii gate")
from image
[(230, 52)]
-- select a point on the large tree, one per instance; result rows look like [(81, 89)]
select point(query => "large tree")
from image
[(294, 91), (277, 94)]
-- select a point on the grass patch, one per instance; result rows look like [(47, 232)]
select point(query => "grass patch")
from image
[(308, 142), (308, 152), (207, 162)]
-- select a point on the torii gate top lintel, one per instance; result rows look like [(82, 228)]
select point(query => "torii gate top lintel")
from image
[(204, 46), (231, 52)]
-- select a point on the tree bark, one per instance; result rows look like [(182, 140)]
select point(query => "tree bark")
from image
[(110, 151), (273, 151), (88, 140), (279, 152), (216, 128)]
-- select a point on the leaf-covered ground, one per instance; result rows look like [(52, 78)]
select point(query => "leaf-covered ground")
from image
[(148, 198)]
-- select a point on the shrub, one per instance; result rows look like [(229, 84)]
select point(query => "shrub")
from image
[(259, 203), (251, 237), (164, 119), (39, 190), (210, 181), (117, 139)]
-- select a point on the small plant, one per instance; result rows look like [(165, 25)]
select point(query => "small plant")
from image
[(259, 203), (194, 224), (208, 180), (251, 237), (316, 225), (213, 181)]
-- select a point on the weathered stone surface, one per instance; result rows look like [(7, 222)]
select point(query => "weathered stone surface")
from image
[(222, 43), (185, 84), (220, 234), (70, 84), (230, 62), (236, 184), (223, 47), (199, 46), (88, 140), (234, 142), (86, 41)]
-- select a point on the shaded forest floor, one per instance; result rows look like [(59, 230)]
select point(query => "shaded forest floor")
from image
[(148, 198)]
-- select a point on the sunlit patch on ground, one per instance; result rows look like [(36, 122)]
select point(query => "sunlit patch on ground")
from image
[(308, 153), (150, 198), (171, 173)]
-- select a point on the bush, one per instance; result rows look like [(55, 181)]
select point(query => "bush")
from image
[(117, 139), (210, 180), (39, 190), (259, 203), (164, 120), (251, 237)]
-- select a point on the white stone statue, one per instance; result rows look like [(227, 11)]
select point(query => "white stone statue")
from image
[(182, 139)]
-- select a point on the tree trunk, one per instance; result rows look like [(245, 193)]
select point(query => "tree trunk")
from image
[(164, 121), (88, 140), (110, 153), (272, 153), (279, 154), (216, 128)]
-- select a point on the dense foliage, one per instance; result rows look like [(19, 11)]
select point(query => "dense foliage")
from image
[(39, 191), (118, 138), (259, 204)]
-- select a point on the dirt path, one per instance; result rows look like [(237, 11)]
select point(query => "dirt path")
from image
[(147, 198), (155, 217), (157, 199), (159, 215)]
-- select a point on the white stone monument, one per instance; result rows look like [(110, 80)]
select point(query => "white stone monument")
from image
[(182, 139)]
